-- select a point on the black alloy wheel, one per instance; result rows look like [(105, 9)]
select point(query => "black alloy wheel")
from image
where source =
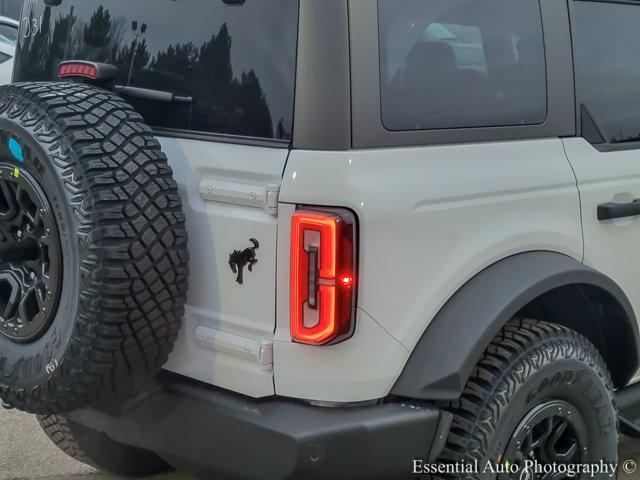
[(30, 257), (553, 432)]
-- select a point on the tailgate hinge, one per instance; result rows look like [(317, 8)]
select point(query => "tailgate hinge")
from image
[(272, 199), (265, 197), (259, 351), (265, 357)]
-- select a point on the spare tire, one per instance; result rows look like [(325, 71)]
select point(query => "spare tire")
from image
[(93, 248)]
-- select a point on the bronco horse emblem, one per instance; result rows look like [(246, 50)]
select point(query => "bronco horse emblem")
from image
[(239, 258)]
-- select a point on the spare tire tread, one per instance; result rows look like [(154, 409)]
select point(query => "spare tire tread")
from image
[(133, 241)]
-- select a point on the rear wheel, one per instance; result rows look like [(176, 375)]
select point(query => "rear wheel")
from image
[(541, 395), (98, 450)]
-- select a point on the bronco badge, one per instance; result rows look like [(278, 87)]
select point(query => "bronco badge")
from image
[(241, 258)]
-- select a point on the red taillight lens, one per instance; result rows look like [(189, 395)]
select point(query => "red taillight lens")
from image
[(78, 70), (323, 276)]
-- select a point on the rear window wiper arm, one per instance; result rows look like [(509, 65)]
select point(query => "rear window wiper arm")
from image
[(149, 94)]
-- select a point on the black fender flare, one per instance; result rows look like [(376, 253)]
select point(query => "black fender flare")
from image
[(452, 344)]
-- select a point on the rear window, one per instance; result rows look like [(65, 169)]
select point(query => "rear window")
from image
[(235, 59), (461, 63)]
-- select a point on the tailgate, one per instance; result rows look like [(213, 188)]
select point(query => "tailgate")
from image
[(215, 80)]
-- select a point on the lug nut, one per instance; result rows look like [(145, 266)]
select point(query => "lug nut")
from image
[(33, 275), (19, 234)]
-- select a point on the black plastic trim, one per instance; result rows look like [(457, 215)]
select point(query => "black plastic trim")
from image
[(629, 397), (150, 94), (217, 434), (609, 211), (369, 132), (220, 138), (615, 147), (322, 115), (624, 2), (441, 436), (628, 401), (442, 361), (628, 427)]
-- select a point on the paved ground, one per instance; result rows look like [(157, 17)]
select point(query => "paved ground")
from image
[(26, 453), (630, 450)]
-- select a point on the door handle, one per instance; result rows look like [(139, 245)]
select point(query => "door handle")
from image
[(608, 211)]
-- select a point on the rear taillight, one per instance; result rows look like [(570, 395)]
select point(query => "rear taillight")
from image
[(323, 276)]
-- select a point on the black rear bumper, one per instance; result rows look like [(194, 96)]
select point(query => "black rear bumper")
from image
[(217, 434)]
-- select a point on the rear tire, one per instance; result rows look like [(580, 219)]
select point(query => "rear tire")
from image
[(98, 450), (539, 388)]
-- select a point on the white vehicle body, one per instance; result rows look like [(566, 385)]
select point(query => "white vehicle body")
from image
[(8, 36), (339, 121), (430, 219), (9, 28), (7, 53), (452, 218), (374, 192)]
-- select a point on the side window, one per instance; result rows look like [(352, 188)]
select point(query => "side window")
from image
[(606, 41), (461, 63)]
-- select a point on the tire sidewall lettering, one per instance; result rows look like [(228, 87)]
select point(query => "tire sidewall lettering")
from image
[(565, 377), (35, 365), (565, 370), (583, 381)]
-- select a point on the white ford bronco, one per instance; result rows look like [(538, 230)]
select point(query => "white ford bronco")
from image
[(277, 239)]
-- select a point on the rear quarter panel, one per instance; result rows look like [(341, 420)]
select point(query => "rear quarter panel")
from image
[(430, 218)]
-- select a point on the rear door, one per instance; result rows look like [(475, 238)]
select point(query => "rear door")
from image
[(215, 80), (606, 154)]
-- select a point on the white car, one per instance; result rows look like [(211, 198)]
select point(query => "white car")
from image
[(7, 53), (8, 37), (9, 30), (304, 239)]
